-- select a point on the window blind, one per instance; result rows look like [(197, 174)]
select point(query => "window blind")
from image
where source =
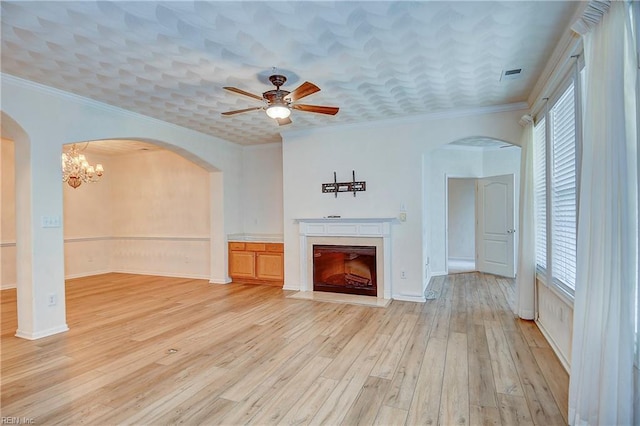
[(540, 192), (563, 189)]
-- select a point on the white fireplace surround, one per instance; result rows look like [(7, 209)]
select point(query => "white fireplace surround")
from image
[(347, 231)]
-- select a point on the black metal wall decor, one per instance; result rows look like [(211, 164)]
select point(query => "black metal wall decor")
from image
[(352, 186)]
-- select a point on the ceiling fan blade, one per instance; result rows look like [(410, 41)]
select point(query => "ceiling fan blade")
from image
[(283, 121), (305, 89), (242, 92), (240, 111), (317, 109)]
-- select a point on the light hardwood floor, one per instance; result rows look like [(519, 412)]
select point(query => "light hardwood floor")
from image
[(248, 354)]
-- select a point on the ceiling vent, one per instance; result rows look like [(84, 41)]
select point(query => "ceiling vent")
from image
[(513, 74)]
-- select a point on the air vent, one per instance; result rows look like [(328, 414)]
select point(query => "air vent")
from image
[(513, 74)]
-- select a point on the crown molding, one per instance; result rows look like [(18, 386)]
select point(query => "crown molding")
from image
[(454, 147), (262, 146), (412, 119), (92, 103)]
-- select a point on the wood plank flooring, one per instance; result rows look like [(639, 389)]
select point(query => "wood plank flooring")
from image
[(246, 354)]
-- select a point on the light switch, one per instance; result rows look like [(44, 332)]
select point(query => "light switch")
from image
[(51, 221), (403, 217)]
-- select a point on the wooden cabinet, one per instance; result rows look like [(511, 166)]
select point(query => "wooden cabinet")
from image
[(258, 263), (242, 264)]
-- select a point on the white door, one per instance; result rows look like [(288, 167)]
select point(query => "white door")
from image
[(494, 230)]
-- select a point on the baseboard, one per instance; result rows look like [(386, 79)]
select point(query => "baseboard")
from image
[(291, 287), (565, 363), (527, 314), (163, 274), (94, 273), (463, 259), (226, 280), (405, 298), (438, 274), (86, 274), (43, 333)]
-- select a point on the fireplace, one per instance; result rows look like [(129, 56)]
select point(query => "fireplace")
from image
[(354, 232), (345, 269)]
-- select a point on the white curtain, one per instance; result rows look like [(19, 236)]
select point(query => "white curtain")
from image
[(525, 281), (601, 383)]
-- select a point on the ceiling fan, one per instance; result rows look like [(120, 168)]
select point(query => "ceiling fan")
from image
[(279, 103)]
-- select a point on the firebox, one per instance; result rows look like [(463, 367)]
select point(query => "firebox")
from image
[(345, 269)]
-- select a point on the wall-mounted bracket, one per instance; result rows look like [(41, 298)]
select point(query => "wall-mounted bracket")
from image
[(353, 186)]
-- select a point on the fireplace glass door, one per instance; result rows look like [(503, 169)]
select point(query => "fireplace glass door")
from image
[(345, 269)]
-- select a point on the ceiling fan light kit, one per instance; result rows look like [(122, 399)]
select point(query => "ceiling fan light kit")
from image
[(279, 102), (278, 111)]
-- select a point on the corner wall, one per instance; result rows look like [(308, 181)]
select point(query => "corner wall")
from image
[(262, 202)]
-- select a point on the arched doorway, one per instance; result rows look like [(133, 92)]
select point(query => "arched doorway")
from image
[(149, 213), (20, 250), (467, 159)]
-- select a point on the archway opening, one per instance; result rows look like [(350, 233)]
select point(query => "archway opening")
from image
[(462, 161), (149, 214), (91, 241)]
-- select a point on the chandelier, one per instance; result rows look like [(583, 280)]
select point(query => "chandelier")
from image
[(76, 169)]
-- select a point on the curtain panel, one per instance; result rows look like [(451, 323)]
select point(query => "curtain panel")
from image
[(526, 278), (602, 365)]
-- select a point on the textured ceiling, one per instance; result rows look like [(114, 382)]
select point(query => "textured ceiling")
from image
[(382, 59)]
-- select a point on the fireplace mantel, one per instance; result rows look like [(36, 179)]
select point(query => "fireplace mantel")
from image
[(314, 228), (348, 219)]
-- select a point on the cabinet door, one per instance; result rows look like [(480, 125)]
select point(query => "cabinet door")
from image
[(270, 266), (242, 264)]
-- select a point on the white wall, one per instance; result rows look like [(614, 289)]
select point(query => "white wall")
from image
[(461, 224), (262, 190), (389, 157)]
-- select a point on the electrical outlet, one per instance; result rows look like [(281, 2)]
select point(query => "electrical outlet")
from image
[(52, 299), (403, 275), (403, 217)]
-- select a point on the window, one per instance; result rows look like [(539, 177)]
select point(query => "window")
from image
[(555, 189), (540, 192), (563, 189)]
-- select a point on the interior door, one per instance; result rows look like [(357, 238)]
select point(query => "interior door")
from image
[(494, 228)]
